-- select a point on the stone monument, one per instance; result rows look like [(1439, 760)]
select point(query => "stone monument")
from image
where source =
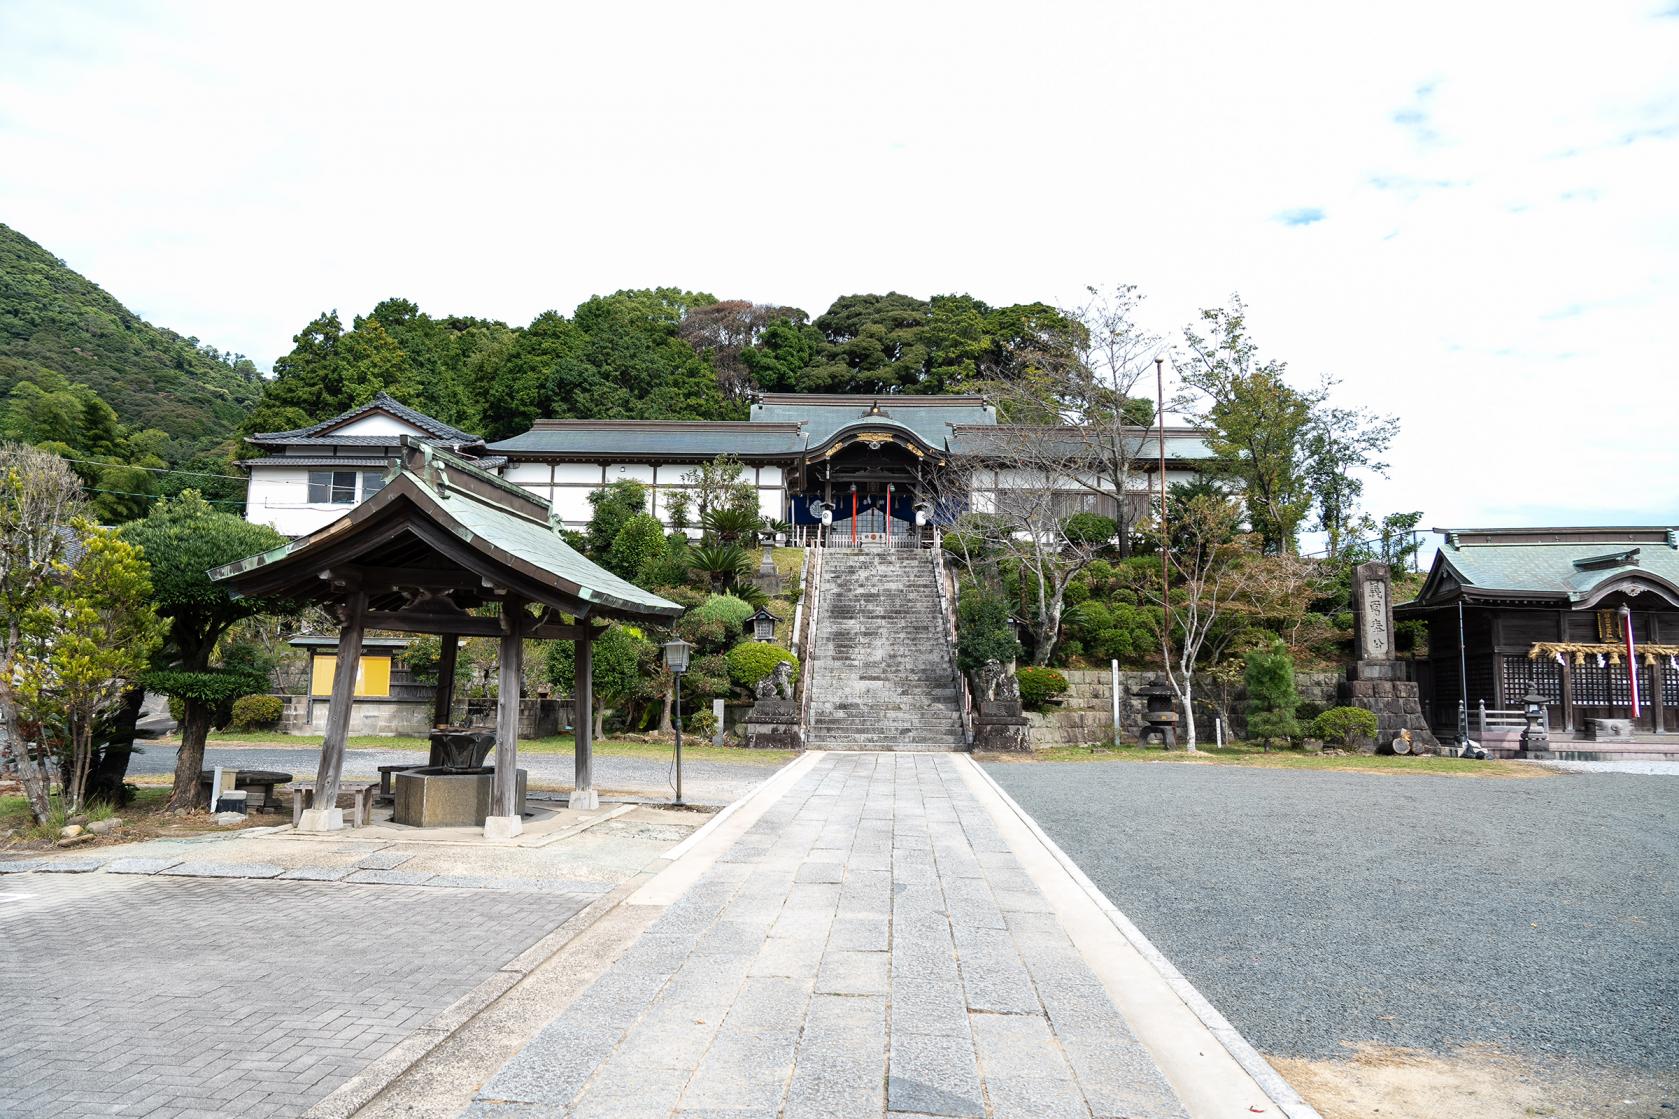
[(1375, 681), (773, 723), (1000, 722)]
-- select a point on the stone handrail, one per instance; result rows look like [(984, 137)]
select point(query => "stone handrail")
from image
[(947, 606), (811, 593)]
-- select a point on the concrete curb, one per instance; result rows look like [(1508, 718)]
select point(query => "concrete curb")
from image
[(1270, 1081), (367, 1085)]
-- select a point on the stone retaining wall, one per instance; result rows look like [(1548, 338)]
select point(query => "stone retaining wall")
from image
[(1085, 715), (306, 715)]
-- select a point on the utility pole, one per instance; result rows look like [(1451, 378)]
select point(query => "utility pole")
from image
[(1165, 571)]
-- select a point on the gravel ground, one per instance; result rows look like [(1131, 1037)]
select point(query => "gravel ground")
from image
[(702, 782), (1313, 909), (1648, 769)]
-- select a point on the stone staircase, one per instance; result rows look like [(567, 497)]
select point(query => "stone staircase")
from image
[(882, 674)]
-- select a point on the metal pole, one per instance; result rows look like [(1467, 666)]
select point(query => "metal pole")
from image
[(678, 676), (1165, 573)]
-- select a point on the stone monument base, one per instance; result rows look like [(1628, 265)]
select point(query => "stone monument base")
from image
[(1379, 686), (773, 724), (1001, 727)]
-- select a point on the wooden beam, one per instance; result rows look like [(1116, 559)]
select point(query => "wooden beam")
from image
[(447, 654), (413, 621), (504, 792), (338, 713), (559, 631), (377, 578), (583, 794)]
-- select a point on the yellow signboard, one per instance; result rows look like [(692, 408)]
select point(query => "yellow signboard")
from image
[(373, 676)]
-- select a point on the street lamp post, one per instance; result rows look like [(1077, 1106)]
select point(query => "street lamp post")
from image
[(676, 659)]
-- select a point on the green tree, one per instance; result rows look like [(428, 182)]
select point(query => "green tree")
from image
[(619, 672), (85, 642), (638, 551), (982, 630), (183, 538), (39, 496), (1268, 677), (373, 363), (308, 382), (1258, 422), (612, 507), (777, 360)]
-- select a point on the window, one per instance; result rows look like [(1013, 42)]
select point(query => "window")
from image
[(372, 482), (332, 487)]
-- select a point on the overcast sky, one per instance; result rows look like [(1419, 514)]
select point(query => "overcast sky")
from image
[(1467, 212)]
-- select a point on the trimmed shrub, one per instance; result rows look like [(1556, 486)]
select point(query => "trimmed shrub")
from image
[(1341, 725), (1039, 685), (751, 661), (257, 712), (638, 550), (701, 724), (982, 631), (1090, 528), (724, 608)]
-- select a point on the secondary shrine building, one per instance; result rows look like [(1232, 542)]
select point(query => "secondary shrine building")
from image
[(1552, 611), (835, 468)]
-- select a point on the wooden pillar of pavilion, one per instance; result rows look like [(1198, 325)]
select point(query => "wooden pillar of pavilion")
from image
[(504, 821), (583, 793), (448, 654), (325, 815)]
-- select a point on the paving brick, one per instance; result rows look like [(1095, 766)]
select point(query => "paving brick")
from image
[(272, 997)]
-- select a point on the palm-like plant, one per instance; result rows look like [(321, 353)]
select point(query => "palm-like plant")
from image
[(730, 523), (722, 564)]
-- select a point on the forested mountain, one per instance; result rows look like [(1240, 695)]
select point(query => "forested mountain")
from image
[(660, 353), (141, 411), (57, 325), (123, 400)]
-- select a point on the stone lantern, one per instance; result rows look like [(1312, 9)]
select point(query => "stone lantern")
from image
[(1160, 721), (1535, 738)]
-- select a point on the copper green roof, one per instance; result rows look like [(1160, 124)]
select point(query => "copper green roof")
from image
[(658, 440), (1570, 567), (441, 517), (822, 415)]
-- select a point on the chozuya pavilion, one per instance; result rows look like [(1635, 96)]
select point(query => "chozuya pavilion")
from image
[(440, 540)]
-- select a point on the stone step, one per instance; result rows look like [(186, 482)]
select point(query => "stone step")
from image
[(885, 743)]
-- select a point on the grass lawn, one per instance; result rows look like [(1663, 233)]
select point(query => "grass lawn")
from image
[(1244, 755), (560, 744), (14, 813)]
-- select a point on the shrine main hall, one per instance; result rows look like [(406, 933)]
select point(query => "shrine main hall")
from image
[(878, 467)]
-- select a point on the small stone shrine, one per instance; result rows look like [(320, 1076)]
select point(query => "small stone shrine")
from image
[(773, 723), (1375, 681), (1000, 722)]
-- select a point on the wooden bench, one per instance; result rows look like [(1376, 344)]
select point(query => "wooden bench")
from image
[(357, 796)]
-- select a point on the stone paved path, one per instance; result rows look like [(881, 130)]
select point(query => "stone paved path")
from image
[(869, 947), (171, 997), (703, 782)]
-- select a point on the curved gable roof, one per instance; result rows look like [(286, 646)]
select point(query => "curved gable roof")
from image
[(383, 402)]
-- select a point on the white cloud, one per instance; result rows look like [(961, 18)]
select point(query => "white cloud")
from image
[(1497, 260)]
